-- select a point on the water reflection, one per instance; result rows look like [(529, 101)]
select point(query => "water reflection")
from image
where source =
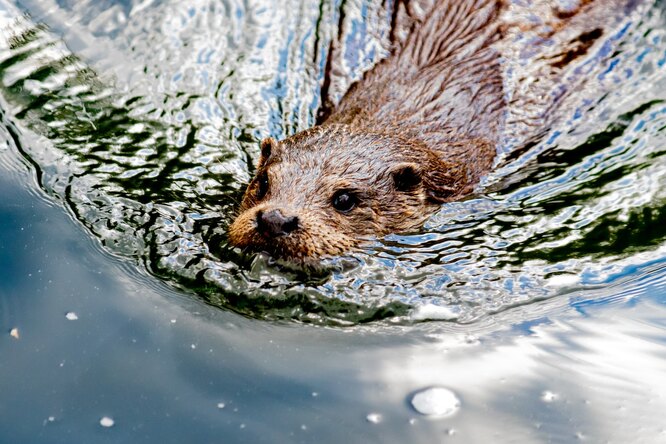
[(159, 364), (597, 376), (148, 131)]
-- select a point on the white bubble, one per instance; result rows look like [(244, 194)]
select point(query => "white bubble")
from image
[(71, 316), (548, 396), (436, 401), (221, 405), (106, 422), (374, 418)]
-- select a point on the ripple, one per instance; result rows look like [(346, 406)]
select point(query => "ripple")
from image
[(147, 130)]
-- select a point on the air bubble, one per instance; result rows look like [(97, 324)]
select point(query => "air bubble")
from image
[(548, 396), (374, 418), (436, 401)]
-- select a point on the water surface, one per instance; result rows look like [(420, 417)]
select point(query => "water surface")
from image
[(144, 119), (128, 132)]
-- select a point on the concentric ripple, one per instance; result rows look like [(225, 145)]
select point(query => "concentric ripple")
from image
[(143, 119)]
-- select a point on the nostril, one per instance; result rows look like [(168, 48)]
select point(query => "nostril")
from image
[(273, 223), (290, 224), (260, 221)]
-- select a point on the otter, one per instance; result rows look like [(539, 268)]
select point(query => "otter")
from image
[(420, 129)]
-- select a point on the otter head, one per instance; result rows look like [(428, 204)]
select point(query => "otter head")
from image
[(323, 191)]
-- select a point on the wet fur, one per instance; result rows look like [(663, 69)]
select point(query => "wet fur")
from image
[(419, 129)]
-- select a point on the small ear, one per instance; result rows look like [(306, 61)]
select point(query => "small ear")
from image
[(267, 148), (446, 180), (406, 176)]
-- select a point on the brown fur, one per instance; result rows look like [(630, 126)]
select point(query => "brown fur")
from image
[(421, 128)]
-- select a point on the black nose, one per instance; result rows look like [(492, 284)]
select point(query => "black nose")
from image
[(274, 223)]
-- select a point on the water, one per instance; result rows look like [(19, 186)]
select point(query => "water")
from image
[(144, 120), (129, 129)]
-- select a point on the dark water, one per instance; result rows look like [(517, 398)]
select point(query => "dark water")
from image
[(128, 132)]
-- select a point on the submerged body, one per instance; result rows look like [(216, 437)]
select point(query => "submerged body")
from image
[(420, 129)]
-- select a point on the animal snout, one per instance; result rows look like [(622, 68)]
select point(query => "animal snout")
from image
[(273, 223)]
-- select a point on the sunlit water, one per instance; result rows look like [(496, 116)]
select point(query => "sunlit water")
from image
[(141, 120)]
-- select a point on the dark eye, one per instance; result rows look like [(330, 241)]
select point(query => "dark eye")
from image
[(262, 185), (344, 201)]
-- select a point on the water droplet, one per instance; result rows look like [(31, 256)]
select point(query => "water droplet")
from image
[(106, 422), (221, 405), (374, 418), (193, 346), (304, 427), (548, 396), (14, 333), (436, 401), (71, 316), (315, 394)]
